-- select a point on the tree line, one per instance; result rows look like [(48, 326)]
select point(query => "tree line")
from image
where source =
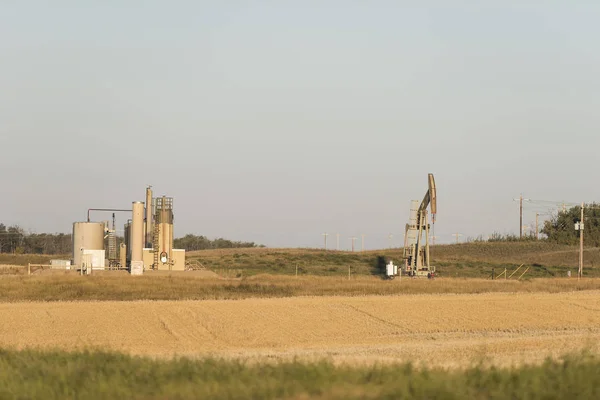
[(560, 228), (14, 240), (192, 242)]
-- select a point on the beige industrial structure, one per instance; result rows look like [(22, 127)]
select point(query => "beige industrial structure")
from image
[(416, 253), (416, 248), (87, 236), (136, 240), (148, 218), (148, 240), (126, 246), (123, 255), (158, 252)]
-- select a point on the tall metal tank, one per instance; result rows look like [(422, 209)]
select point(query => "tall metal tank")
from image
[(137, 239), (164, 219), (149, 225), (127, 240), (88, 236), (137, 231)]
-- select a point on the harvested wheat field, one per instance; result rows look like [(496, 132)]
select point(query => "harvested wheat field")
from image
[(444, 330)]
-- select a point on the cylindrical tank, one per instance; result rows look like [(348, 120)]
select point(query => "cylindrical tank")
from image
[(88, 236), (123, 255), (166, 245), (164, 219), (137, 232), (149, 227), (127, 238)]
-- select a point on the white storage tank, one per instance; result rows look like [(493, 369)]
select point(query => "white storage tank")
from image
[(389, 269), (87, 236)]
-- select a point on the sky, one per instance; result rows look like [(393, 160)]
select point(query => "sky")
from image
[(277, 121)]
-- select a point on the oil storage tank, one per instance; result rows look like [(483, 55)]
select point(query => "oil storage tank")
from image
[(87, 236), (164, 219)]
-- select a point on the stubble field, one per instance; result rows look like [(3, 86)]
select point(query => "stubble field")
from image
[(248, 327), (447, 330)]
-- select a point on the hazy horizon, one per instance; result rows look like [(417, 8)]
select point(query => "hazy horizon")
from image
[(275, 123)]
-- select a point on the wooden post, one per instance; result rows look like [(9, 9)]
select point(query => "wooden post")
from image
[(296, 270), (29, 269), (348, 272)]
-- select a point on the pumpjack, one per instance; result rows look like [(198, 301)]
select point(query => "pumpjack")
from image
[(416, 249)]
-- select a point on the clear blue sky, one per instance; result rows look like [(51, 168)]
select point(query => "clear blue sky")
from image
[(277, 121)]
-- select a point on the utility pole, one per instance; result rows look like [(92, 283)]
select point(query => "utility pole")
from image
[(457, 236), (353, 238), (521, 216), (580, 226), (390, 237), (362, 242), (537, 226), (521, 200), (337, 237), (325, 236)]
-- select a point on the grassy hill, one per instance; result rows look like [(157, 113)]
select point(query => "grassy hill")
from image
[(473, 260)]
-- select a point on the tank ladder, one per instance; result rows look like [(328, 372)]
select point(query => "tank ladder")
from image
[(156, 245)]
